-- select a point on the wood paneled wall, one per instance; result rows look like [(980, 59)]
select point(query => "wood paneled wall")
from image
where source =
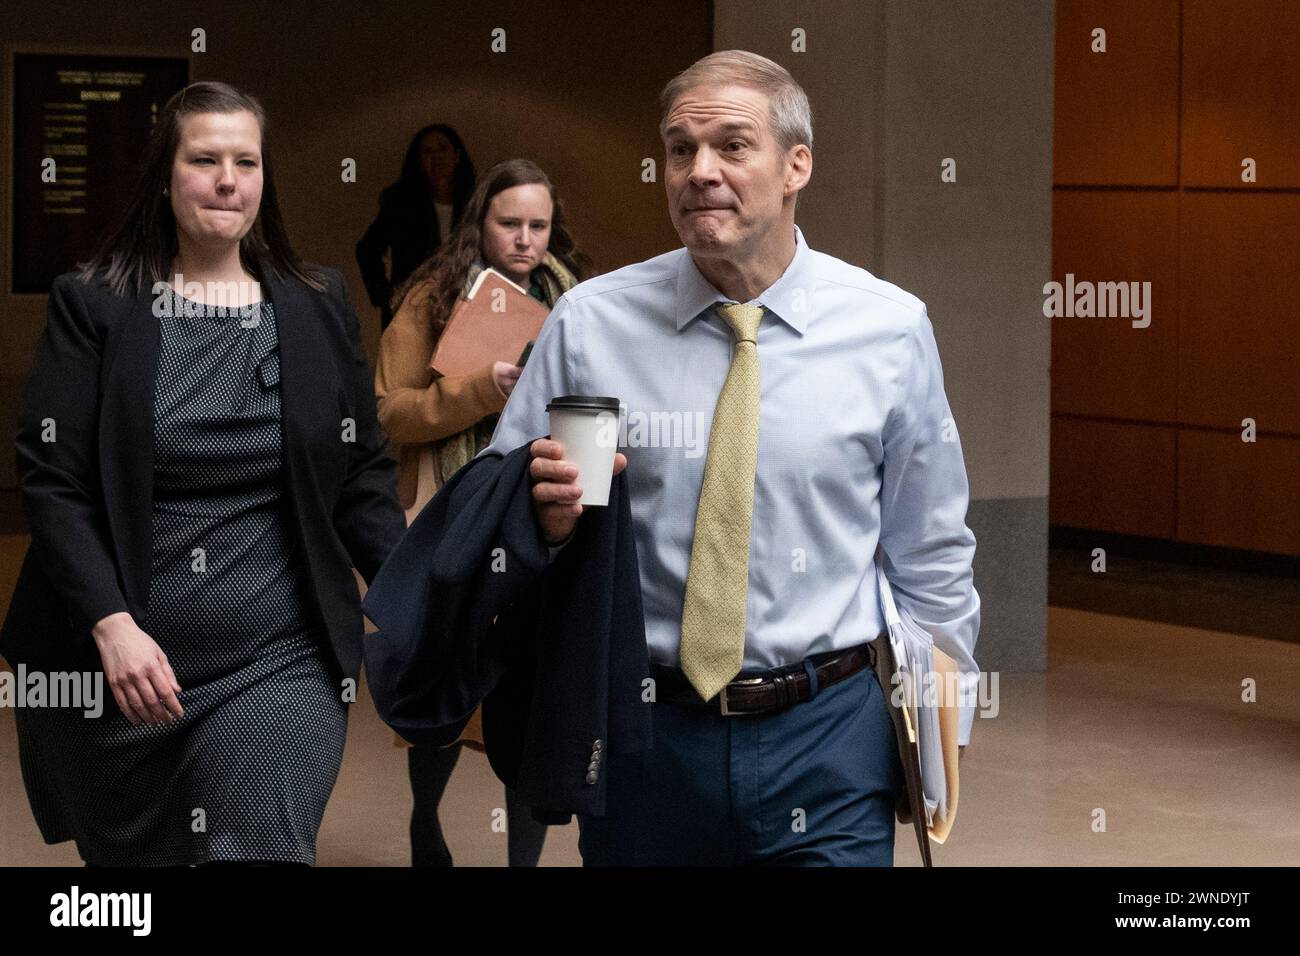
[(1150, 140)]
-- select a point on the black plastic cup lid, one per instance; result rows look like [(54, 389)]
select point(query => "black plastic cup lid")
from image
[(594, 403)]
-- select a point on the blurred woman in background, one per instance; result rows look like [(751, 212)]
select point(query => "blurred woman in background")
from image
[(416, 214)]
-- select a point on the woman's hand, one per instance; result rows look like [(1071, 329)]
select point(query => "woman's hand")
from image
[(506, 375), (137, 670)]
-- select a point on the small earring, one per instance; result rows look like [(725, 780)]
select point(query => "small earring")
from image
[(165, 192)]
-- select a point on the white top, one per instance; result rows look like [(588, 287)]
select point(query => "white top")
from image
[(444, 210)]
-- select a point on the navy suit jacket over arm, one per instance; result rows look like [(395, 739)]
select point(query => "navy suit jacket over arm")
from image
[(469, 611)]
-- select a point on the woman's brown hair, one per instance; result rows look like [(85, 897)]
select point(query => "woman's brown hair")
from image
[(140, 249), (451, 263)]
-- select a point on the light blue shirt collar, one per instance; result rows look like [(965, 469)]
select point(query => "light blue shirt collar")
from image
[(695, 294)]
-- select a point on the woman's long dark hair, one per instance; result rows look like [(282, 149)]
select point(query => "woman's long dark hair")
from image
[(451, 263), (140, 249), (413, 185)]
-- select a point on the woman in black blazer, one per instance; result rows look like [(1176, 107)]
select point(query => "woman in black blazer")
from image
[(416, 214), (199, 480)]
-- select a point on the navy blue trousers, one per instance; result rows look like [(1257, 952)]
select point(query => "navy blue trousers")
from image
[(813, 785)]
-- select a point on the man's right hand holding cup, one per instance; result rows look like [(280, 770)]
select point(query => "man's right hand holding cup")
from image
[(556, 490)]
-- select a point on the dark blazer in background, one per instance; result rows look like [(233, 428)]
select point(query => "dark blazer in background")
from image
[(88, 496), (469, 610), (406, 229)]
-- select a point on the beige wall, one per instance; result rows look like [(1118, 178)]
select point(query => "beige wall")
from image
[(896, 87), (576, 91)]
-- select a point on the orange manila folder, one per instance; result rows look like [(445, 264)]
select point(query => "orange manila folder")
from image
[(492, 324), (946, 669), (946, 702)]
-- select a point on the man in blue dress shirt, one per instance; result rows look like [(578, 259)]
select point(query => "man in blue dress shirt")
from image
[(819, 395)]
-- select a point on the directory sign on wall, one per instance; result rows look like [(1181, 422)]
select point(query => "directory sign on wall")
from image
[(80, 127)]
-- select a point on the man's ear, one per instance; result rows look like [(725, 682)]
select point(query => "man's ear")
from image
[(798, 168)]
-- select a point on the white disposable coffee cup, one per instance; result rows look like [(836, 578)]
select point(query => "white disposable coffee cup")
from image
[(587, 427)]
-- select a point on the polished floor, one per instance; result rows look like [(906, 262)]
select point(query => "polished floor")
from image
[(1135, 748)]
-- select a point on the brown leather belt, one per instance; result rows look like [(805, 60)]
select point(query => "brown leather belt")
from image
[(767, 691)]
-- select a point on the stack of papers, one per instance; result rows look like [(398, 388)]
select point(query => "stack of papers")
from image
[(927, 677)]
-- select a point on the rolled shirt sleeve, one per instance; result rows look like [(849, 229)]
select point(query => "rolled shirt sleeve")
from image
[(928, 549)]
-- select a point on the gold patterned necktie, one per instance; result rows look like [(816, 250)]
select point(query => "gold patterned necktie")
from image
[(717, 583)]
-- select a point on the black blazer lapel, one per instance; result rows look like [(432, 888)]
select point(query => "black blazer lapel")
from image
[(313, 455), (126, 445), (308, 394)]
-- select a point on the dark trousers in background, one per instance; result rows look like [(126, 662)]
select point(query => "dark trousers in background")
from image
[(811, 785), (430, 769)]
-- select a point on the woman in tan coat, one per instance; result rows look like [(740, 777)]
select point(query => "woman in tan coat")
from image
[(513, 223)]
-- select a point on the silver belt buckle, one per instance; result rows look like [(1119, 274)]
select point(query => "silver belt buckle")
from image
[(723, 695)]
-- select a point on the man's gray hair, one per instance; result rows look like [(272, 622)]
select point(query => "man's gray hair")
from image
[(790, 116)]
